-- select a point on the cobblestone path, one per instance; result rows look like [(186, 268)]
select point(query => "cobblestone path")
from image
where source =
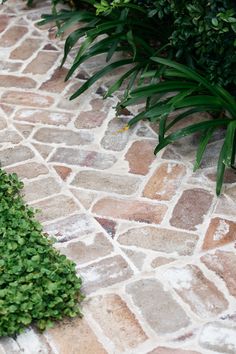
[(153, 244)]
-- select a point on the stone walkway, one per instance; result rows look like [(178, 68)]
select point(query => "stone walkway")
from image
[(153, 244)]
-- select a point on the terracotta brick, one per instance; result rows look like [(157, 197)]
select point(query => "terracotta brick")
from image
[(26, 99), (219, 233), (16, 154), (74, 336), (84, 158), (163, 315), (16, 81), (26, 49), (125, 331), (88, 249), (42, 63), (63, 136), (29, 170), (130, 210), (185, 216), (164, 350), (113, 139), (140, 156), (42, 116), (101, 181), (164, 183), (12, 36), (55, 207), (71, 227), (161, 240), (63, 171), (90, 119), (108, 225), (57, 81), (219, 337), (41, 188), (196, 290), (104, 273), (223, 264)]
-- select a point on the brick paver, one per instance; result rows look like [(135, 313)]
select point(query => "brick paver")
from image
[(153, 244)]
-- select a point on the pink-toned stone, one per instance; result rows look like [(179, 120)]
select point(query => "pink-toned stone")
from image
[(160, 261), (108, 225), (74, 336), (223, 263), (105, 273), (130, 210), (71, 227), (191, 209), (163, 315), (41, 188), (24, 129), (57, 81), (42, 116), (90, 119), (165, 181), (16, 81), (10, 136), (101, 181), (3, 123), (113, 138), (203, 297), (63, 136), (90, 248), (125, 331), (83, 158), (12, 36), (159, 239), (28, 170), (63, 171), (137, 258), (165, 350), (14, 155), (55, 207), (85, 197), (226, 202), (26, 99), (219, 233), (26, 49), (44, 150), (140, 156), (4, 20), (9, 66), (42, 63)]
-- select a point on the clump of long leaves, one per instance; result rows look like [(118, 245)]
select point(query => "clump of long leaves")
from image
[(192, 93)]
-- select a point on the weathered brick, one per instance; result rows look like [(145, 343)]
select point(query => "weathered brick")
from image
[(196, 290), (42, 116), (63, 136), (57, 81), (104, 273), (161, 240), (90, 119), (219, 233), (40, 189), (101, 181), (71, 227), (185, 216), (12, 35), (29, 170), (140, 156), (63, 171), (88, 249), (163, 315), (55, 207), (84, 158), (113, 139), (130, 210), (4, 20), (164, 183), (219, 337), (223, 263), (26, 49), (125, 331), (16, 154), (108, 225), (42, 63), (74, 336), (26, 99), (16, 81)]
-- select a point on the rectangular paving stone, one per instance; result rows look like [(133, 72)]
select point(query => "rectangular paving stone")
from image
[(90, 119), (161, 240), (26, 49), (104, 273), (85, 158), (42, 116), (16, 81), (26, 99), (16, 154), (42, 63), (71, 227), (29, 170), (101, 181), (12, 36), (130, 210), (117, 322), (55, 207), (140, 156), (57, 81), (63, 136), (40, 189), (163, 314), (196, 290)]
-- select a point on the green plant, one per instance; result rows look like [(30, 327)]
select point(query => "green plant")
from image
[(37, 284), (191, 93)]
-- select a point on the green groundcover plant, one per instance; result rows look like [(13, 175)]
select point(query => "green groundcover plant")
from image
[(37, 284)]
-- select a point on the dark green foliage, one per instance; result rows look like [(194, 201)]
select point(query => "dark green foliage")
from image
[(37, 284)]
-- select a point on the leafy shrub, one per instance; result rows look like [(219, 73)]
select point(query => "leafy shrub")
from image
[(37, 284)]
